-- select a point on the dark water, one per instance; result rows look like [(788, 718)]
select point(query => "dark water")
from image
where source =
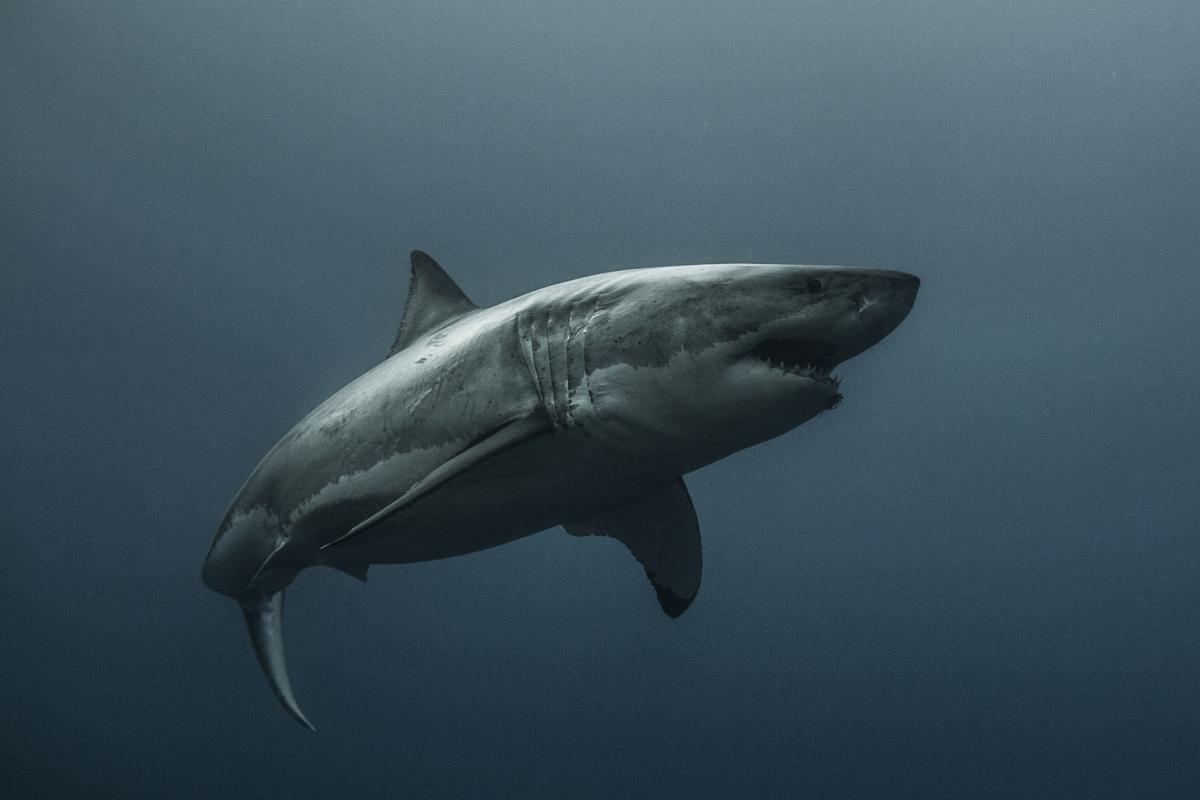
[(979, 577)]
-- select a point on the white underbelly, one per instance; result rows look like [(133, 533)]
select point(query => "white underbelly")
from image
[(554, 479)]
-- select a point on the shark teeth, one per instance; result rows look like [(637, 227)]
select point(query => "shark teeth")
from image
[(807, 358), (807, 369), (815, 372)]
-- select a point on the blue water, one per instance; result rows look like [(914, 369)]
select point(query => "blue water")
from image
[(978, 577)]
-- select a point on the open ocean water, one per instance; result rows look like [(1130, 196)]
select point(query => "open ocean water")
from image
[(979, 577)]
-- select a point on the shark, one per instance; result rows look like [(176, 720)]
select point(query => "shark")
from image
[(580, 405)]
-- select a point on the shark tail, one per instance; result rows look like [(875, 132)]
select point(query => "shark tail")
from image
[(264, 618)]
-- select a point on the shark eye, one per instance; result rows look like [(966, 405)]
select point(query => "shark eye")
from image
[(813, 285)]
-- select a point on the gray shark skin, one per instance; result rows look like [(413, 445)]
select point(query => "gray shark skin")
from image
[(580, 404)]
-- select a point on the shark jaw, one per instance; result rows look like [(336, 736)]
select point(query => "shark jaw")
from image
[(806, 358)]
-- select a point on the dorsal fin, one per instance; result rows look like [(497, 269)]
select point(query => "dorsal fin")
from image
[(433, 300)]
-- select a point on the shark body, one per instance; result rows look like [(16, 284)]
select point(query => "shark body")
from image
[(581, 404)]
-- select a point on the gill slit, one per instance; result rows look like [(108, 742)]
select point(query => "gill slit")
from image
[(568, 391), (525, 342), (552, 387)]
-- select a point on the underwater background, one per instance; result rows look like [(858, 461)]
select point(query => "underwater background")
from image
[(978, 577)]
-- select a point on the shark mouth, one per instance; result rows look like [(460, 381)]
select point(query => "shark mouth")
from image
[(806, 358)]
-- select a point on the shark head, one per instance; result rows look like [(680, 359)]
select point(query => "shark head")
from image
[(719, 357)]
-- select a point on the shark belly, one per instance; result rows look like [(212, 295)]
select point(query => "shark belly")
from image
[(551, 480)]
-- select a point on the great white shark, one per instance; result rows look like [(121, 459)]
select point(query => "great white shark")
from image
[(580, 404)]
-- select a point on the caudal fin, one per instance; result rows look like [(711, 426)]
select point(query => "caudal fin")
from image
[(264, 618)]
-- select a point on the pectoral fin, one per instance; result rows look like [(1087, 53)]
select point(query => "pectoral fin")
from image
[(496, 442), (661, 530)]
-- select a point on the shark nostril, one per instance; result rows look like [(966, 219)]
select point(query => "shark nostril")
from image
[(860, 301)]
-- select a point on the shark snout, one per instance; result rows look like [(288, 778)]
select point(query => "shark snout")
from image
[(890, 295), (905, 287), (880, 304)]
